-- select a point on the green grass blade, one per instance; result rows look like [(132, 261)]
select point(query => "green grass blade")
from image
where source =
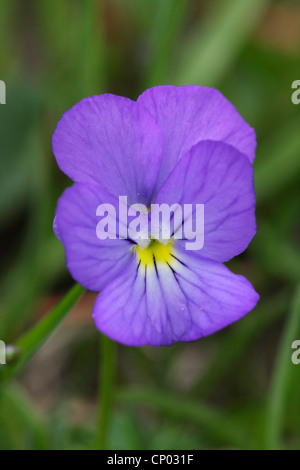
[(106, 393), (37, 336), (169, 16), (282, 370), (24, 424), (93, 70), (212, 49)]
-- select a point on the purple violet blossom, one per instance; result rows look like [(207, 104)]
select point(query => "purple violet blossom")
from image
[(183, 145)]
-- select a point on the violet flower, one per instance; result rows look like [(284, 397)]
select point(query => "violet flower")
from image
[(181, 145)]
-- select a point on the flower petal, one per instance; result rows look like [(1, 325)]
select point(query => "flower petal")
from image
[(220, 177), (182, 301), (112, 141), (190, 114), (91, 261), (55, 229)]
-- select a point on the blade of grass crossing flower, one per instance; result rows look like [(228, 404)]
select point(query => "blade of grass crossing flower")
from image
[(37, 336), (282, 371)]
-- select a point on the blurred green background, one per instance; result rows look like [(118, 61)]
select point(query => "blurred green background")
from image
[(235, 389)]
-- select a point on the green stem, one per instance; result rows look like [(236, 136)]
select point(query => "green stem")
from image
[(106, 391), (33, 340), (279, 384)]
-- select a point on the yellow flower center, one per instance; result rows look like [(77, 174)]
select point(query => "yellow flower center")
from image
[(157, 251)]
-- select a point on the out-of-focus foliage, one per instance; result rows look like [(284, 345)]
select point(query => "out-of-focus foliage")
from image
[(236, 389)]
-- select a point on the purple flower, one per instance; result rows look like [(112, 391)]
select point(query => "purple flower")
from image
[(182, 145)]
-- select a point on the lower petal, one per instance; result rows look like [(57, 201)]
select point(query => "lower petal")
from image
[(163, 303)]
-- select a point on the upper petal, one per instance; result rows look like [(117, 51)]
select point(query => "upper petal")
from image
[(112, 141), (184, 300), (190, 114), (220, 177), (91, 261)]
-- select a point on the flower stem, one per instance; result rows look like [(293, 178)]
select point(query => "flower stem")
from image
[(107, 378)]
